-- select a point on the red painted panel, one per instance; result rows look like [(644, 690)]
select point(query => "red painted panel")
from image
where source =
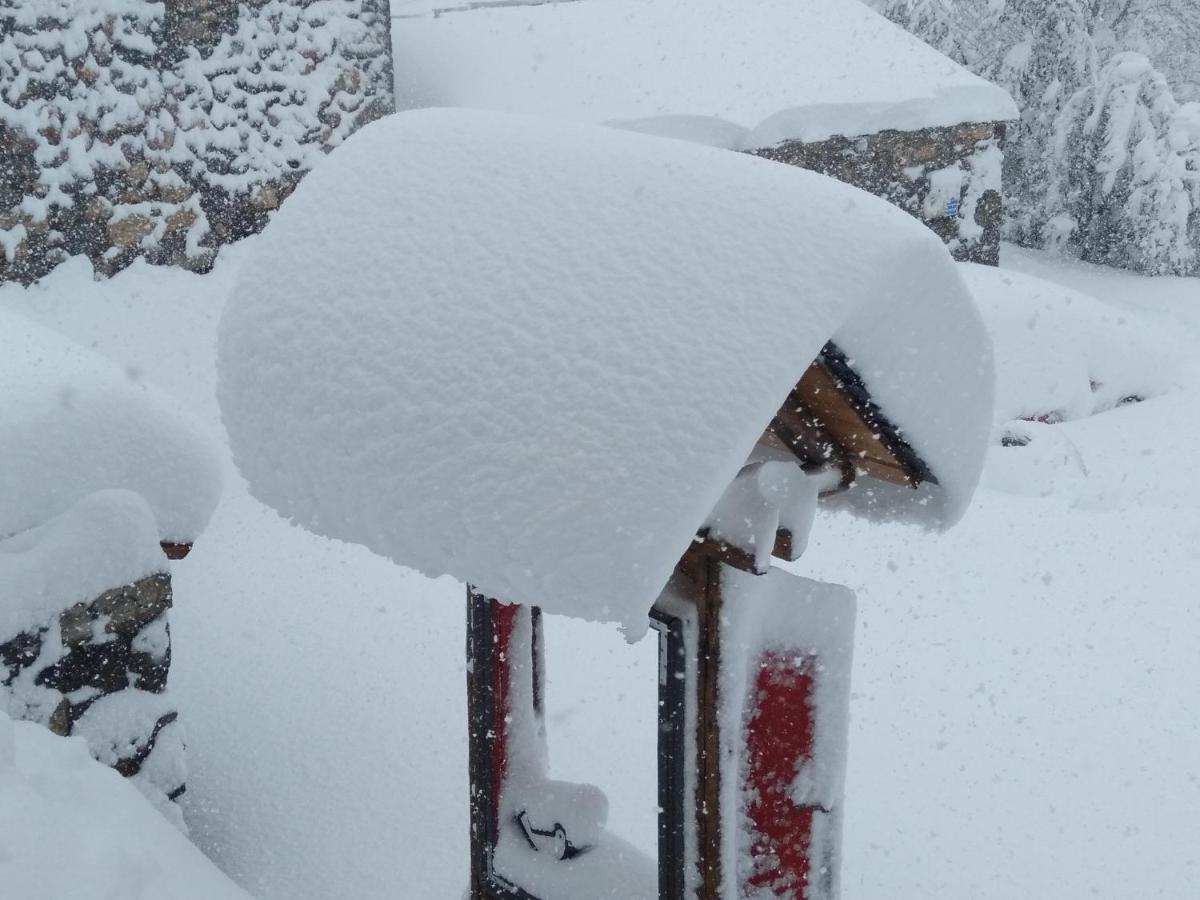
[(504, 623), (779, 739)]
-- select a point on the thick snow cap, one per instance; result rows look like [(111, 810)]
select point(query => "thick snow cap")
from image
[(719, 72), (74, 424), (533, 354)]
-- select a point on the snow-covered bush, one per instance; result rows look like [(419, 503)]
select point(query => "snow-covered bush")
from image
[(131, 127)]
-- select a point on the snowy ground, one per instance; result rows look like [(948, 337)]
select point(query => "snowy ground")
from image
[(1025, 713)]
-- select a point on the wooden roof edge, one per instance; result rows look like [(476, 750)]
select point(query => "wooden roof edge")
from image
[(834, 360)]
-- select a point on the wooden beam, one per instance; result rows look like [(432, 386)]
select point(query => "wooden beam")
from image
[(829, 417), (175, 549), (722, 551), (784, 548)]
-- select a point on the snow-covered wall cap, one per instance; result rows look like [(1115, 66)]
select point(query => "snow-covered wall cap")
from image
[(533, 354), (744, 76), (106, 540), (74, 424)]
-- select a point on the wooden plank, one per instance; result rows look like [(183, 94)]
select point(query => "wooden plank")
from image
[(700, 585), (861, 441), (730, 554), (708, 736), (801, 433), (784, 548), (830, 418)]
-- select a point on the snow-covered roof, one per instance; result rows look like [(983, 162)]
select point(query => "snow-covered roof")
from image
[(75, 424), (538, 368), (711, 71)]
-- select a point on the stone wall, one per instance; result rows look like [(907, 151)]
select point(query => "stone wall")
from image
[(99, 670), (164, 130), (949, 178)]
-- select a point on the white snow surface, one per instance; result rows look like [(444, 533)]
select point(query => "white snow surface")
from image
[(1016, 680), (105, 540), (1062, 354), (75, 424), (73, 828), (778, 70), (520, 367)]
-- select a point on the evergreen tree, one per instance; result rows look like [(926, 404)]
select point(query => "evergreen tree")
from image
[(1129, 160)]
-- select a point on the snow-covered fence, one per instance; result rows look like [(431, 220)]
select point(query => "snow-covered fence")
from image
[(167, 129)]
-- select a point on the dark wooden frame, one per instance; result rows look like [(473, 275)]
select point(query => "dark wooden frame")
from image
[(673, 733), (481, 738)]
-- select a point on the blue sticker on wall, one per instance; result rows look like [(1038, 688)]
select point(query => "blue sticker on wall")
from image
[(952, 207)]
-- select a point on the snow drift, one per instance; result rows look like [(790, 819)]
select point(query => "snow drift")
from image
[(1063, 355), (70, 827)]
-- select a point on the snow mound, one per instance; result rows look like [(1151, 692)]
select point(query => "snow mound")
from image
[(109, 538), (1036, 459), (741, 78), (1061, 354), (538, 368), (75, 424), (70, 827)]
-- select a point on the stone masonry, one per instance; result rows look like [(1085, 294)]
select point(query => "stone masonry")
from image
[(99, 670), (949, 178), (165, 130)]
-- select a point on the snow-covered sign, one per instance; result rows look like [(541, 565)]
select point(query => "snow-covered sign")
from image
[(709, 71), (533, 355)]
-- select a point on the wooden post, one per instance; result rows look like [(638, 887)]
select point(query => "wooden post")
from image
[(700, 581)]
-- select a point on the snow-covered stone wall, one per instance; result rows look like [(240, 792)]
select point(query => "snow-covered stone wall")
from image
[(85, 646), (949, 178), (167, 129)]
